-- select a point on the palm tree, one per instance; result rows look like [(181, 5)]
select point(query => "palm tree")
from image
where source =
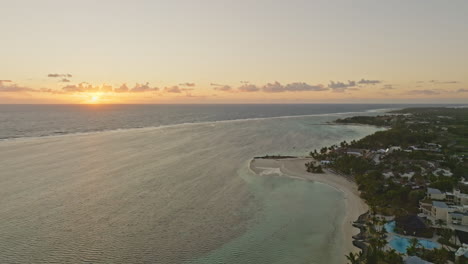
[(413, 247), (441, 256), (353, 258), (393, 257), (446, 234)]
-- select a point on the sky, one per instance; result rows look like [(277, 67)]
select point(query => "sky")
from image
[(238, 51)]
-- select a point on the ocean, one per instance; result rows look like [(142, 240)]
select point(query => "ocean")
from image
[(167, 183)]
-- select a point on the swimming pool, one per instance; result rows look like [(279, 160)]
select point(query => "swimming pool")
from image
[(400, 244)]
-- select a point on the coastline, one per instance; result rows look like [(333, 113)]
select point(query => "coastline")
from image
[(294, 168)]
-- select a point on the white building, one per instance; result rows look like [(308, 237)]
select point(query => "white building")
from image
[(407, 175), (392, 149), (460, 198), (388, 174), (443, 172), (435, 194), (440, 210), (457, 218)]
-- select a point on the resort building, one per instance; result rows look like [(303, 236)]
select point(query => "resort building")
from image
[(415, 260), (450, 208), (460, 198), (439, 210), (356, 152), (462, 252), (392, 149), (442, 172), (388, 174), (457, 218), (456, 197), (435, 194)]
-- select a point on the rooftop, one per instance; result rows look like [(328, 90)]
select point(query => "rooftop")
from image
[(439, 204), (415, 260), (433, 191)]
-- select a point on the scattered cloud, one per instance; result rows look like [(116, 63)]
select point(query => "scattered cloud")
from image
[(387, 87), (141, 88), (173, 89), (372, 82), (221, 87), (177, 89), (246, 87), (59, 75), (423, 92), (105, 88), (340, 86), (304, 87), (443, 82), (122, 89), (64, 80), (462, 91), (80, 88), (277, 87), (187, 84), (52, 91), (9, 86)]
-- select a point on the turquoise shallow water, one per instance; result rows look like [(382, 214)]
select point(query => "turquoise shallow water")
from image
[(296, 216)]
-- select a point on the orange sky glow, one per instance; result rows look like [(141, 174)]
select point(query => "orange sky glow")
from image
[(222, 51)]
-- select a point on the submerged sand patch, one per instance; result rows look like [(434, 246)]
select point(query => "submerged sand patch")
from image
[(295, 168)]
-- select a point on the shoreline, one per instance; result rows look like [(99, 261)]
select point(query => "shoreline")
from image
[(294, 168)]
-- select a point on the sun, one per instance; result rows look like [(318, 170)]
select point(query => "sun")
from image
[(94, 98)]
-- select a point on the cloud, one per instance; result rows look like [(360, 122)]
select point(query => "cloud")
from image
[(462, 91), (80, 88), (304, 87), (187, 84), (9, 86), (59, 75), (64, 80), (277, 87), (387, 87), (246, 87), (86, 88), (177, 89), (122, 89), (340, 86), (372, 82), (423, 92), (221, 87), (141, 88), (443, 82), (173, 89)]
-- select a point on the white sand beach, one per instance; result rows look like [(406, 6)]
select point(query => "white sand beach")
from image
[(295, 168)]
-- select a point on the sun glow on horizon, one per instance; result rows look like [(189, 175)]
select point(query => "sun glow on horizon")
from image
[(93, 99)]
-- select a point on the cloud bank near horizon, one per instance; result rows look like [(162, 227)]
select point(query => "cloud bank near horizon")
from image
[(190, 89)]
